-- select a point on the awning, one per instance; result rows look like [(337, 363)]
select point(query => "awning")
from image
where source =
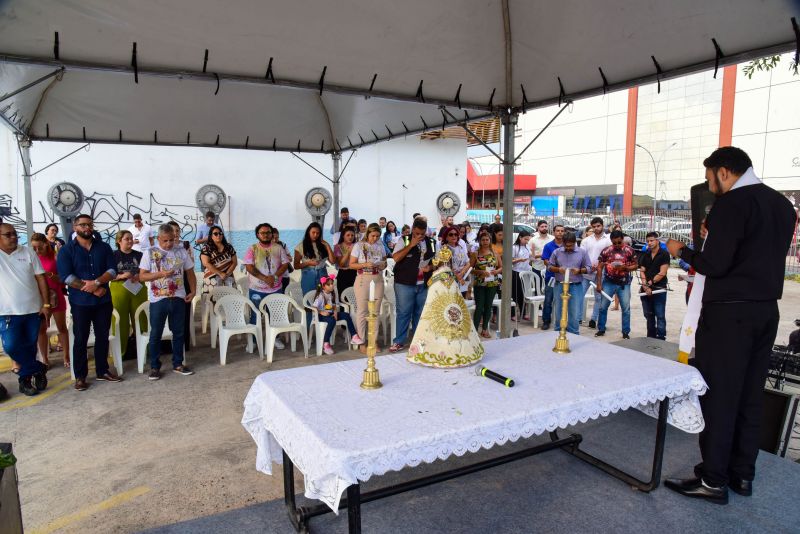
[(490, 182)]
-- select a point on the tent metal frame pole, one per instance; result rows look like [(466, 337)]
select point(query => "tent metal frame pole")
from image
[(337, 160), (235, 78), (25, 152), (546, 126), (32, 84), (509, 122), (310, 165), (473, 134)]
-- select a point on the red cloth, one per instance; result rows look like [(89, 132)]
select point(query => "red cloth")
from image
[(49, 265)]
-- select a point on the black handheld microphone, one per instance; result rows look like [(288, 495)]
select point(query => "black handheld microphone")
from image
[(491, 375)]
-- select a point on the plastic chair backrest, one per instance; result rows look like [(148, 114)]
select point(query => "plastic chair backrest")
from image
[(280, 308), (218, 292), (527, 280), (349, 297), (233, 308)]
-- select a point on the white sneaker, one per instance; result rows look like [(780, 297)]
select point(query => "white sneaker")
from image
[(356, 340), (279, 344), (327, 349)]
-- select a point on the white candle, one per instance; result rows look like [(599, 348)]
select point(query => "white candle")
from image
[(372, 290), (566, 276)]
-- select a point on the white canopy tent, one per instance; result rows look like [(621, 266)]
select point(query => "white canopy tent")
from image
[(317, 76)]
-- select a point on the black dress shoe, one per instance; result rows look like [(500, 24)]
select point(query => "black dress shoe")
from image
[(694, 487), (600, 333), (592, 324), (626, 336), (736, 484)]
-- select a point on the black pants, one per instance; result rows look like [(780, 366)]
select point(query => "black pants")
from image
[(517, 294), (84, 318), (732, 346)]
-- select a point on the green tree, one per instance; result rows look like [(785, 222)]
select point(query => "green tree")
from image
[(766, 64)]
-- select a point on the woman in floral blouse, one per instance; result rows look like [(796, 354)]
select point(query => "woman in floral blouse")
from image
[(486, 265)]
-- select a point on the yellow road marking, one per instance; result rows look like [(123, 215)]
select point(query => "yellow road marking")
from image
[(90, 510), (54, 386)]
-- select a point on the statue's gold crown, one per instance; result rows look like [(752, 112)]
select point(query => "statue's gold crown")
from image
[(443, 256)]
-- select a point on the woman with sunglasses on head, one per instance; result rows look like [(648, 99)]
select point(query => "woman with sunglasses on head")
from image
[(219, 260), (346, 276), (460, 260), (369, 258)]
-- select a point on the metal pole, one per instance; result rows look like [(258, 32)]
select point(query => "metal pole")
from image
[(25, 151), (509, 121), (655, 170), (337, 159)]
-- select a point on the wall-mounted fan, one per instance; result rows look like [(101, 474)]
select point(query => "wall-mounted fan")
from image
[(66, 200), (448, 204), (318, 203), (210, 197)]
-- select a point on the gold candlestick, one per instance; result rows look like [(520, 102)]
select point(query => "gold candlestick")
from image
[(372, 379), (562, 343)]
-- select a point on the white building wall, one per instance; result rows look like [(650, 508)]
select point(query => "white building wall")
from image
[(161, 182), (766, 123)]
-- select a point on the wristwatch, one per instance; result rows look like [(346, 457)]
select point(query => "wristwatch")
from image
[(97, 282)]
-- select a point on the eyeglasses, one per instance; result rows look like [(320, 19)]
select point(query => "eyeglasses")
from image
[(84, 225), (452, 233), (10, 234), (264, 232), (217, 233)]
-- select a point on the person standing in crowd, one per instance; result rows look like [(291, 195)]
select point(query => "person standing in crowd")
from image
[(576, 260), (498, 219), (750, 227), (547, 252), (125, 296), (344, 217), (497, 239), (614, 267), (390, 237), (412, 270), (346, 276), (471, 235), (55, 242), (310, 255), (142, 234), (447, 222), (459, 262), (219, 261), (653, 266), (203, 230), (486, 266), (520, 262), (86, 265), (276, 239), (24, 304), (265, 262), (163, 265), (369, 258), (176, 229), (58, 304), (538, 242), (382, 223), (593, 244), (362, 230)]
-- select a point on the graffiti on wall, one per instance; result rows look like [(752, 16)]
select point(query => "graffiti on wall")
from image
[(112, 213)]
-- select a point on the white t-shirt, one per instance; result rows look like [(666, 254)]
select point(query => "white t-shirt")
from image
[(521, 251), (142, 235), (156, 259), (537, 244), (593, 248), (19, 292)]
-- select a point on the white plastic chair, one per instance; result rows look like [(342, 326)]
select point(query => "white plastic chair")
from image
[(114, 346), (216, 294), (142, 332), (388, 313), (496, 307), (533, 295), (280, 308), (232, 313), (588, 296), (317, 327)]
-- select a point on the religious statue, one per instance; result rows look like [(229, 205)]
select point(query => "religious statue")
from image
[(445, 336)]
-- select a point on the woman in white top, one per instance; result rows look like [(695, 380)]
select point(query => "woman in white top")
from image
[(368, 257), (460, 259), (520, 262)]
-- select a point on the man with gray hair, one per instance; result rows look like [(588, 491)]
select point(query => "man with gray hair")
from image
[(163, 266)]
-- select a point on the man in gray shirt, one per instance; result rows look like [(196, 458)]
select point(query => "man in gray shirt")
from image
[(567, 264)]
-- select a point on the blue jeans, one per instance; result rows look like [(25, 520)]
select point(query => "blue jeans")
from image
[(310, 277), (547, 306), (573, 306), (173, 309), (623, 291), (597, 296), (330, 324), (409, 301), (256, 297), (83, 319), (19, 334), (655, 308)]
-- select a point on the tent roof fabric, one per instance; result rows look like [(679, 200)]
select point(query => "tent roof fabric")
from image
[(348, 73)]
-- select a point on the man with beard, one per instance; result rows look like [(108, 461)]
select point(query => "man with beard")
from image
[(750, 228), (86, 265)]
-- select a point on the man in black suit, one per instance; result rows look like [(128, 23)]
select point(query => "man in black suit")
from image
[(750, 229)]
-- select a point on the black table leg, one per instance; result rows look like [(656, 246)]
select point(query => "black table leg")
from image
[(354, 509), (296, 516), (658, 455)]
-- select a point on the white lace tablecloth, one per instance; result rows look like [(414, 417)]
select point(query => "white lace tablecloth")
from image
[(337, 434)]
